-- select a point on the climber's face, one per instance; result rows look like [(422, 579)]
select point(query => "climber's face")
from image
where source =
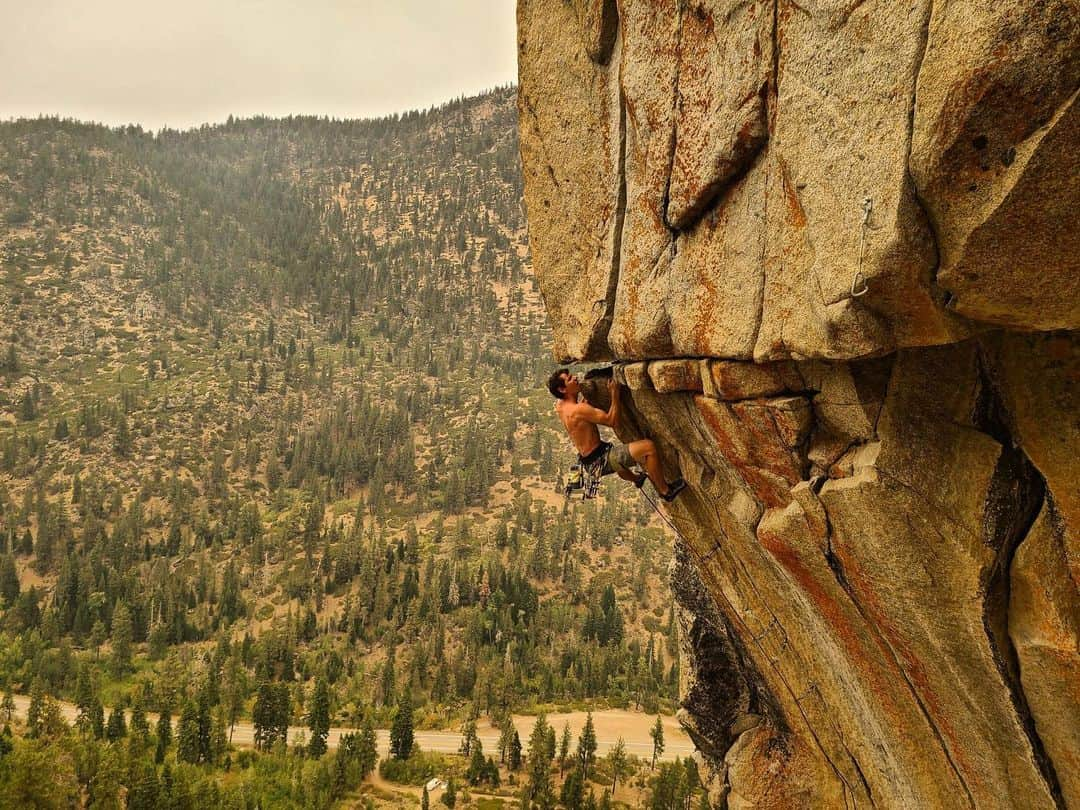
[(571, 384)]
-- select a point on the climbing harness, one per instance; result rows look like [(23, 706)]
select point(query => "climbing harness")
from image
[(859, 287), (575, 481), (585, 477)]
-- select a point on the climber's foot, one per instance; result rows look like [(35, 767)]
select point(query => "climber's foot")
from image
[(640, 480), (674, 488)]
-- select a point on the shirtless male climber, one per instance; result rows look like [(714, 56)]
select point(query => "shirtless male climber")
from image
[(581, 419)]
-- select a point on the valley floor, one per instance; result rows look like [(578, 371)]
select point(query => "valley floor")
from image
[(610, 724)]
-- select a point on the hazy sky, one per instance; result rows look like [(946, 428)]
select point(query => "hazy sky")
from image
[(185, 62)]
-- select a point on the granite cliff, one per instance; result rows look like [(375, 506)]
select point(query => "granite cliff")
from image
[(832, 248)]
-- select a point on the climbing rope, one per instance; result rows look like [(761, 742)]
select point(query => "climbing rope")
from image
[(586, 479), (663, 517)]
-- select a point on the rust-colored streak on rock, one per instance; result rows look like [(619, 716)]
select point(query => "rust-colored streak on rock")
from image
[(835, 618), (913, 670), (675, 375), (838, 619), (796, 214), (732, 380), (750, 442), (720, 121)]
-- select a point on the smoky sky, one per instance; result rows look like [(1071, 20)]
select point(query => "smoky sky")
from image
[(181, 64)]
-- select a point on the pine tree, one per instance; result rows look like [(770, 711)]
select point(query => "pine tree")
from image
[(657, 734), (9, 580), (618, 762), (692, 777), (145, 789), (342, 761), (97, 718), (468, 737), (564, 747), (116, 728), (187, 734), (449, 797), (122, 443), (506, 735), (139, 725), (163, 731), (27, 407), (367, 754), (264, 716), (319, 719), (273, 472), (388, 678), (538, 787), (122, 633), (282, 712), (84, 699), (219, 737), (231, 602), (401, 731), (35, 712), (670, 789), (573, 790), (586, 750), (204, 733), (477, 765), (513, 759)]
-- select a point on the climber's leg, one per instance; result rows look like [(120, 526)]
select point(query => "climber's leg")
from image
[(643, 451)]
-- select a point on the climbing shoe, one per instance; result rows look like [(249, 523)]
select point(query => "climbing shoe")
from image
[(674, 488), (639, 482)]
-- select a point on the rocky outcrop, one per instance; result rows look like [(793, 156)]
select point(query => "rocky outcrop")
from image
[(833, 250)]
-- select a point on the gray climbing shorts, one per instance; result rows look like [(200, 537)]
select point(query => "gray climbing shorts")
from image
[(615, 458), (618, 460)]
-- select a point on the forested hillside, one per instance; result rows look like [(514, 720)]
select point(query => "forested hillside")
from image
[(272, 413)]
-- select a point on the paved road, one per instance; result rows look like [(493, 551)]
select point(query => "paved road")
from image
[(610, 724)]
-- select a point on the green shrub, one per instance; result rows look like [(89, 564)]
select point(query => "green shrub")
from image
[(417, 769), (19, 215)]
